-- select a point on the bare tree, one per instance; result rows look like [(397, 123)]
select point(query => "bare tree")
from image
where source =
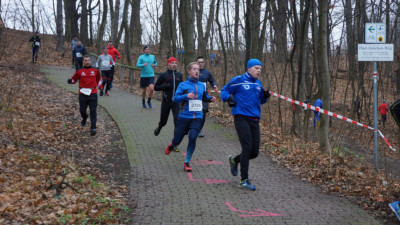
[(323, 60), (186, 23), (59, 25), (252, 28), (91, 20), (135, 26), (279, 24), (203, 36), (114, 18), (166, 28), (84, 36), (71, 19), (100, 32)]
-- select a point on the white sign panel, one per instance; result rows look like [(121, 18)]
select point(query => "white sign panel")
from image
[(375, 33), (375, 52)]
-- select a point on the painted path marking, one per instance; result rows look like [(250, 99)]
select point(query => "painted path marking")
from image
[(252, 214)]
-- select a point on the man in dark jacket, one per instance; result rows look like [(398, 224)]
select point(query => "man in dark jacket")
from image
[(78, 52), (35, 46), (168, 83), (204, 77)]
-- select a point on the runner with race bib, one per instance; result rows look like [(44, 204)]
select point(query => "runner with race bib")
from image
[(190, 93), (104, 63)]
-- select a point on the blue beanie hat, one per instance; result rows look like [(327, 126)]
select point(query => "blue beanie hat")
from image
[(253, 62)]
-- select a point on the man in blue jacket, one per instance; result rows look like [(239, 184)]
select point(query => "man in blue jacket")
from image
[(318, 103), (147, 62), (245, 95), (191, 94), (78, 52)]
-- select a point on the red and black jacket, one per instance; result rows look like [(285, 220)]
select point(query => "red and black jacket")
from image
[(88, 77)]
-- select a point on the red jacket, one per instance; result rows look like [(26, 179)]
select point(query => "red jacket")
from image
[(88, 77), (113, 51), (383, 108)]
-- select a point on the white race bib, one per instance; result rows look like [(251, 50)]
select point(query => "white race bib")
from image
[(37, 43), (78, 55), (86, 91), (195, 105), (105, 63)]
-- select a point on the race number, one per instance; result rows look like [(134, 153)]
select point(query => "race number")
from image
[(37, 43), (86, 91), (78, 55), (105, 63), (195, 105)]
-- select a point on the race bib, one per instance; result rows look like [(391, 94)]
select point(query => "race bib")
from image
[(86, 91), (37, 43), (195, 105), (78, 55), (105, 63)]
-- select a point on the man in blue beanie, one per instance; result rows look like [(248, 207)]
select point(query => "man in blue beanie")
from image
[(245, 95)]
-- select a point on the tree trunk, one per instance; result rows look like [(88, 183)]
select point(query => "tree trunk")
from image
[(222, 44), (187, 28), (124, 24), (280, 29), (84, 37), (59, 27), (166, 29), (203, 37), (252, 28), (71, 19), (33, 15), (135, 25), (114, 19), (100, 33), (323, 60)]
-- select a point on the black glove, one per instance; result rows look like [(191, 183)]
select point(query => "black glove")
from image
[(266, 94), (231, 102), (69, 81)]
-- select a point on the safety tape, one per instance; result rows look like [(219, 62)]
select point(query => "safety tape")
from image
[(318, 109)]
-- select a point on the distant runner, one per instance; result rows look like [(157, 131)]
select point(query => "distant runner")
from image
[(191, 93), (35, 46), (89, 80), (147, 62), (104, 63), (204, 77), (115, 55), (245, 94), (78, 52), (73, 44)]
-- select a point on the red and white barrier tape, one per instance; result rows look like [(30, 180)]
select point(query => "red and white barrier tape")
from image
[(331, 114), (327, 113)]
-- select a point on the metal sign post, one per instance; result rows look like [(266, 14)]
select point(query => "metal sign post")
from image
[(375, 50)]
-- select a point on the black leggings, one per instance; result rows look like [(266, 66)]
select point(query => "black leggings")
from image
[(91, 101), (106, 74), (248, 131), (166, 107), (35, 53)]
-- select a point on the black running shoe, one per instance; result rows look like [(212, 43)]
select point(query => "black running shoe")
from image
[(92, 132), (157, 131)]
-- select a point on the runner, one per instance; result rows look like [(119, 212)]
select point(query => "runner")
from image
[(114, 54), (89, 80), (204, 77), (245, 95), (78, 52), (168, 83), (35, 46), (383, 108), (191, 93), (73, 44), (147, 62), (318, 103), (103, 63)]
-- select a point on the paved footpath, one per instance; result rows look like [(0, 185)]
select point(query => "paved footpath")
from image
[(164, 194)]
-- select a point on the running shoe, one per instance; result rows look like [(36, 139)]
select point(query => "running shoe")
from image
[(245, 184), (176, 149), (92, 132), (149, 104), (101, 92), (234, 166), (187, 167), (157, 131), (107, 94), (200, 134), (144, 105), (168, 149), (396, 208)]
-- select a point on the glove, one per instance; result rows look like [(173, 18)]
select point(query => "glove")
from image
[(231, 102), (69, 81), (266, 94)]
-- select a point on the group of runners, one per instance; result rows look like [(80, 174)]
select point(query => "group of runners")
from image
[(188, 100)]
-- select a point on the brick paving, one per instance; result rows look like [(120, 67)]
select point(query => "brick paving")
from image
[(164, 194)]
